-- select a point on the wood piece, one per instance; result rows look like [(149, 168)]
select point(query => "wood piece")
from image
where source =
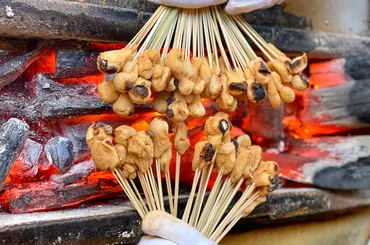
[(59, 152), (337, 109), (48, 195), (339, 163), (13, 135), (76, 172), (75, 60)]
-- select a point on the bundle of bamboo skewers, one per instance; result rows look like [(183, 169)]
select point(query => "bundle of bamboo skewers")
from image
[(129, 154), (178, 58)]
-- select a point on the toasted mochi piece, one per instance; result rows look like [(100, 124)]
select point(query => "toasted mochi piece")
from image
[(280, 68), (244, 142), (111, 62), (287, 94), (260, 71), (121, 153), (104, 155), (123, 106), (129, 171), (159, 128), (225, 157), (140, 150), (160, 102), (122, 134), (203, 155), (108, 92), (165, 160), (273, 94), (180, 139), (124, 81), (196, 108), (98, 131), (300, 82), (217, 128), (140, 92), (298, 64), (236, 83)]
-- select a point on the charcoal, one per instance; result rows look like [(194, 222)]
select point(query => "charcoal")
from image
[(26, 166), (48, 195), (76, 172), (13, 68), (52, 100), (13, 135), (75, 60), (59, 151), (31, 153)]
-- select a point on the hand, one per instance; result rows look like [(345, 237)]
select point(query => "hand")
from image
[(164, 229), (232, 6)]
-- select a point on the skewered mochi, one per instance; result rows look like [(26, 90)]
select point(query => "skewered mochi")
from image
[(300, 82), (180, 139), (203, 74), (124, 81), (160, 78), (111, 62), (236, 83), (159, 128), (98, 131), (146, 61), (140, 150), (203, 155), (262, 193), (177, 109), (218, 128), (253, 159), (244, 143), (286, 93), (279, 67), (104, 155), (256, 92), (123, 106), (259, 70), (263, 175), (108, 92), (160, 102), (140, 92), (225, 100), (273, 94), (298, 64), (226, 156), (195, 106), (122, 134)]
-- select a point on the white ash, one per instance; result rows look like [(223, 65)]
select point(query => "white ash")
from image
[(9, 11)]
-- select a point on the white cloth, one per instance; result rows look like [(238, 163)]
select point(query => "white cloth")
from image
[(232, 6), (165, 229)]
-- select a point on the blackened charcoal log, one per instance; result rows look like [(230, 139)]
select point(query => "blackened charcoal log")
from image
[(358, 68), (52, 100), (275, 16), (264, 124), (57, 100), (13, 68), (26, 166), (76, 172), (9, 48), (13, 135), (339, 163), (59, 152), (75, 60), (40, 196), (337, 109)]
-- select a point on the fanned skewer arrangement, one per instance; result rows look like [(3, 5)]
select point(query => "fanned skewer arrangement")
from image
[(129, 154), (179, 58)]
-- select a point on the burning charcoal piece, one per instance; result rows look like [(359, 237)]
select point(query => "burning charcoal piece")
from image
[(26, 166), (13, 135), (13, 68), (76, 60), (76, 172), (59, 151)]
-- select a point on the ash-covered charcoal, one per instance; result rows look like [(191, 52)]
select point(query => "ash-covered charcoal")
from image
[(56, 100), (59, 152), (75, 60), (13, 68), (13, 135), (26, 166), (76, 172)]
